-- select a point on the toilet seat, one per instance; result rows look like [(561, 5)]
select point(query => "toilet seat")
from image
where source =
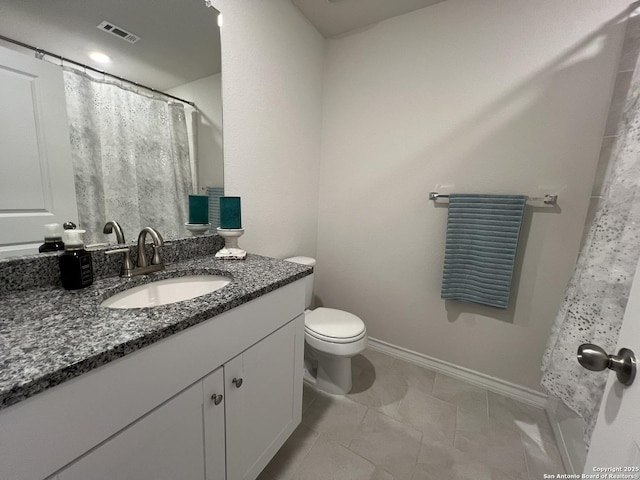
[(335, 326)]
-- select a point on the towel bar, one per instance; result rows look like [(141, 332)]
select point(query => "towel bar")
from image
[(547, 199)]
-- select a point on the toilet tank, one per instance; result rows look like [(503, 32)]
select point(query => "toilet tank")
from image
[(308, 279)]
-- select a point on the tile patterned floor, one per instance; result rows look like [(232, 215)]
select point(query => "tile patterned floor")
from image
[(404, 422)]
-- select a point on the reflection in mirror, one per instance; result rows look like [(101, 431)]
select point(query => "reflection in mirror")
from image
[(136, 154)]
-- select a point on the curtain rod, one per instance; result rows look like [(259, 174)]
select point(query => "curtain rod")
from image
[(41, 53)]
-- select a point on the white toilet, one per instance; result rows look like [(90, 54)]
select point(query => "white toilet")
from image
[(332, 337)]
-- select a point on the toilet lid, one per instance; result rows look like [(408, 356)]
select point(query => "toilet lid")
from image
[(333, 325)]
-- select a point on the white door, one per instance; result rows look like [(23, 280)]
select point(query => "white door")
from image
[(615, 444), (36, 174)]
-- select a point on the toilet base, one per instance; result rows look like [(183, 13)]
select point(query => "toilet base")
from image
[(328, 373)]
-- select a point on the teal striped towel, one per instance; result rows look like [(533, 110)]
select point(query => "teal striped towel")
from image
[(482, 237)]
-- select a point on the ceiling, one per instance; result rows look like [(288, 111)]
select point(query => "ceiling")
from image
[(336, 17), (180, 39)]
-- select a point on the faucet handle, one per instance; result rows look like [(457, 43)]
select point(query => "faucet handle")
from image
[(156, 260), (158, 241), (127, 265), (118, 250)]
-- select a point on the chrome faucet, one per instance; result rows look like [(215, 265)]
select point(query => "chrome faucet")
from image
[(128, 270), (127, 265), (112, 226), (157, 243)]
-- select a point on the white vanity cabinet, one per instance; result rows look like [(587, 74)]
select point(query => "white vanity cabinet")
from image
[(214, 402), (172, 410), (261, 403), (165, 444)]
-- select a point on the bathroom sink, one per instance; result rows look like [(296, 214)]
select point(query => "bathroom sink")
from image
[(162, 292)]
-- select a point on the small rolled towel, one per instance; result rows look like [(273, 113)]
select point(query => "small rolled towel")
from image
[(480, 252)]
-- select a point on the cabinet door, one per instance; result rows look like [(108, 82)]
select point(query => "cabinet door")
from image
[(264, 409), (214, 405), (165, 444)]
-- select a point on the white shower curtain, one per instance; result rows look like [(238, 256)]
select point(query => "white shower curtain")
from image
[(130, 156), (596, 297)]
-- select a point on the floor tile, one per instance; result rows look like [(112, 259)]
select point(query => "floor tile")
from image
[(418, 378), (376, 382), (435, 418), (381, 382), (329, 460), (491, 443), (405, 422), (290, 456), (438, 462), (388, 444), (378, 358), (335, 416), (309, 394), (529, 420), (461, 394), (381, 474), (542, 458)]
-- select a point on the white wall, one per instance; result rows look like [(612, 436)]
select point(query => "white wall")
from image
[(272, 95), (206, 93), (489, 96)]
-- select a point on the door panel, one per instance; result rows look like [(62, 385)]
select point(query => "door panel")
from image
[(261, 411), (615, 443), (36, 173)]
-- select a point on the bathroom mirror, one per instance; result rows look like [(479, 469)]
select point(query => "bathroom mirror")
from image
[(171, 46)]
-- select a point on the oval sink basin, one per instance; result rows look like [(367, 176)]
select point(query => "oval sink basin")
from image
[(162, 292)]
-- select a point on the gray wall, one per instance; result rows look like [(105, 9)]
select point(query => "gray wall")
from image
[(272, 94), (488, 97)]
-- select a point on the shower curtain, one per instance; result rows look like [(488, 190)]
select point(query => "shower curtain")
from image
[(130, 154), (597, 294)]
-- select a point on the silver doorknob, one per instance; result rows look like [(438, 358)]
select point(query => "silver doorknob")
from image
[(217, 398), (237, 382), (594, 358)]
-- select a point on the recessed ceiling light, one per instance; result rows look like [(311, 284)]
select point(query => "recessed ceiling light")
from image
[(99, 57)]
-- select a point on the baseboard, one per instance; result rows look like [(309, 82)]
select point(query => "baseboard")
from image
[(511, 390)]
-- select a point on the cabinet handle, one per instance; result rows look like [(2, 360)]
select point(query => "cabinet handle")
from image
[(217, 398), (237, 382)]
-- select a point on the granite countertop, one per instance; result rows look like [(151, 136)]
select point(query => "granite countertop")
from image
[(49, 335)]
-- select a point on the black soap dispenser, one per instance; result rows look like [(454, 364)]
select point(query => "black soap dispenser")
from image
[(76, 270), (52, 239)]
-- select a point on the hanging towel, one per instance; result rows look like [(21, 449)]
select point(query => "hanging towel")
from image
[(482, 237)]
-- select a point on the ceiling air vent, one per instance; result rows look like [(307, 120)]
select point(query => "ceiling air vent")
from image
[(118, 32)]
